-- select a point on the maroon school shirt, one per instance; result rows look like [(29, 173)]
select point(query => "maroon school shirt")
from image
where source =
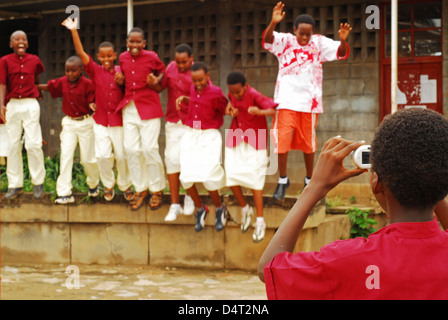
[(107, 94), (400, 261), (18, 74), (75, 97), (253, 128), (178, 84), (135, 70), (206, 109)]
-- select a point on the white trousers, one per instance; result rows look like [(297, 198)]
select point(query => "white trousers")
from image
[(173, 137), (23, 115), (4, 141), (141, 144), (108, 149), (74, 131)]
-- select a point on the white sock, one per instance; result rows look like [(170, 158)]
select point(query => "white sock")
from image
[(260, 220), (246, 208), (307, 180), (283, 180)]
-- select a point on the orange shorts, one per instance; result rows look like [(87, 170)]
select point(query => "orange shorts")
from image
[(295, 130)]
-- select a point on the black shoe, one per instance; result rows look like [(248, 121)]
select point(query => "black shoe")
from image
[(13, 193), (38, 191), (280, 191), (221, 218), (200, 218)]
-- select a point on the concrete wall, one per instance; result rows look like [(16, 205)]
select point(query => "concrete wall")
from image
[(110, 233)]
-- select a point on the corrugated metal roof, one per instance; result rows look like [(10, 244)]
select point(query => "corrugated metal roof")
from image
[(27, 8)]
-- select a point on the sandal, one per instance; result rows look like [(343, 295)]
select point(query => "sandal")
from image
[(139, 199), (129, 194), (109, 194), (156, 200)]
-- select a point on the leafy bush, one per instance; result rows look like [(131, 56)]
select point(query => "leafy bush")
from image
[(361, 223), (52, 173)]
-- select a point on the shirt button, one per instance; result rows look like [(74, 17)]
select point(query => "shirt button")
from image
[(133, 60), (133, 84), (133, 71), (20, 97), (21, 66), (21, 77)]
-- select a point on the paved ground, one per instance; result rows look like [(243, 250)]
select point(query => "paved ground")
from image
[(45, 282)]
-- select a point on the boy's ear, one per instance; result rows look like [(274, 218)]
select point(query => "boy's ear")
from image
[(144, 43), (375, 183)]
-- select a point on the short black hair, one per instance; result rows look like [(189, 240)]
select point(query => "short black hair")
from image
[(183, 47), (305, 18), (199, 66), (74, 59), (106, 44), (235, 77), (410, 155), (138, 30)]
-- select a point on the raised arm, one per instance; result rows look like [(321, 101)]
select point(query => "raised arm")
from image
[(71, 25), (343, 33), (329, 172), (277, 16)]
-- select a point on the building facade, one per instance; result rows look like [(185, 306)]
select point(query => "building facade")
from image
[(226, 34)]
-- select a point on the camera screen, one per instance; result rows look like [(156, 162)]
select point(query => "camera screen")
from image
[(366, 157)]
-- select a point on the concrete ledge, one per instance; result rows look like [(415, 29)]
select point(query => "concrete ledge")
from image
[(102, 232)]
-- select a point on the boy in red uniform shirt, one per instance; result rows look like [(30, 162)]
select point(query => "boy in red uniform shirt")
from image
[(405, 260), (200, 155), (246, 145), (108, 125), (142, 112), (20, 111), (177, 79), (78, 97)]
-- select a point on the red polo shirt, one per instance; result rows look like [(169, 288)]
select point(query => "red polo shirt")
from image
[(206, 109), (18, 73), (178, 84), (75, 97), (135, 70), (400, 261), (253, 129), (107, 94)]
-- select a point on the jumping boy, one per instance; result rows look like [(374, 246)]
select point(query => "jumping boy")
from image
[(142, 111), (298, 90), (108, 126), (200, 155), (246, 145), (78, 97), (406, 259), (20, 111), (177, 79)]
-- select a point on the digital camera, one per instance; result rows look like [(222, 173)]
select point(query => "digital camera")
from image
[(361, 157)]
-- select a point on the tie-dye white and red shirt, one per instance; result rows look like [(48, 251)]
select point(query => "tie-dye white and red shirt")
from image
[(299, 80)]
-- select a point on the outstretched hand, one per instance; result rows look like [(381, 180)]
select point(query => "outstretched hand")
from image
[(277, 13), (70, 24), (344, 31)]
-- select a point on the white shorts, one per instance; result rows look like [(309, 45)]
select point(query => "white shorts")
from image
[(173, 136), (200, 159), (245, 166)]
